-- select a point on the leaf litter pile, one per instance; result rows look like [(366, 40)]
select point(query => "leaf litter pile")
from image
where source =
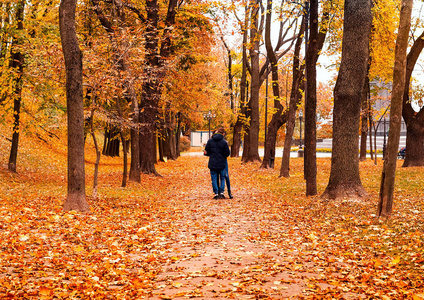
[(166, 238)]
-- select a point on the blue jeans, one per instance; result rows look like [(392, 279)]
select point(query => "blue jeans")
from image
[(218, 176)]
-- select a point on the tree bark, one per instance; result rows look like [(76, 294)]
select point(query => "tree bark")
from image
[(251, 145), (295, 97), (4, 42), (313, 48), (124, 146), (155, 71), (238, 126), (414, 120), (278, 118), (177, 135), (364, 120), (76, 199), (120, 47), (371, 125), (17, 64), (389, 168), (344, 175)]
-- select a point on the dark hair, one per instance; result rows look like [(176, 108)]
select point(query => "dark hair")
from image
[(221, 130)]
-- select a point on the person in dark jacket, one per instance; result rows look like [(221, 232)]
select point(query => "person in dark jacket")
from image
[(217, 149)]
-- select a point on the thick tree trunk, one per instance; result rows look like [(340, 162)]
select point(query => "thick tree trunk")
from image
[(414, 156), (414, 121), (238, 126), (344, 175), (17, 63), (148, 149), (251, 145), (389, 168), (122, 65), (160, 147), (235, 147), (124, 146), (278, 118), (135, 148), (310, 160), (112, 143), (76, 199), (152, 87)]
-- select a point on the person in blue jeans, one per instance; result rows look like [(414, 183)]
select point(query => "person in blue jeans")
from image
[(217, 149)]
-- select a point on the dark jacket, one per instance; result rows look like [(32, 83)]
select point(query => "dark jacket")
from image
[(217, 149)]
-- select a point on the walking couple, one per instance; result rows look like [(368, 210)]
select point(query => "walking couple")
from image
[(217, 149)]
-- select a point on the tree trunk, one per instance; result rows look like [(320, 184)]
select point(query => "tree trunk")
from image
[(17, 63), (4, 43), (160, 147), (111, 141), (76, 199), (152, 86), (96, 147), (235, 147), (310, 160), (389, 168), (344, 175), (177, 135), (238, 126), (124, 146), (414, 121), (278, 118), (251, 145), (371, 125), (414, 155), (120, 57), (135, 147), (295, 97), (364, 121)]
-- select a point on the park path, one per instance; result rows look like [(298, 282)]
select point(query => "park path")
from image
[(223, 248)]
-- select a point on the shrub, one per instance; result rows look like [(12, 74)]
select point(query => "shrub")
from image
[(184, 144)]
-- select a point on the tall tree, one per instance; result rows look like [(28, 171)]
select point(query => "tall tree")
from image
[(17, 64), (76, 199), (251, 145), (315, 44), (155, 70), (279, 117), (295, 97), (414, 120), (389, 168), (238, 126), (117, 27), (344, 175)]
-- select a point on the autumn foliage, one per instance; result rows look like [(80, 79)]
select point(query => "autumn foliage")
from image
[(165, 238)]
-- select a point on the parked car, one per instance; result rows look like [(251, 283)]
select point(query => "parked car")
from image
[(401, 153)]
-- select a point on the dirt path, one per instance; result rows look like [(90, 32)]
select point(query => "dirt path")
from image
[(218, 250)]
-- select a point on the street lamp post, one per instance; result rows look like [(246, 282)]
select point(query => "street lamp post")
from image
[(209, 116), (300, 151)]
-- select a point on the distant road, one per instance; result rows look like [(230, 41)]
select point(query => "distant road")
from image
[(278, 153), (324, 144)]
